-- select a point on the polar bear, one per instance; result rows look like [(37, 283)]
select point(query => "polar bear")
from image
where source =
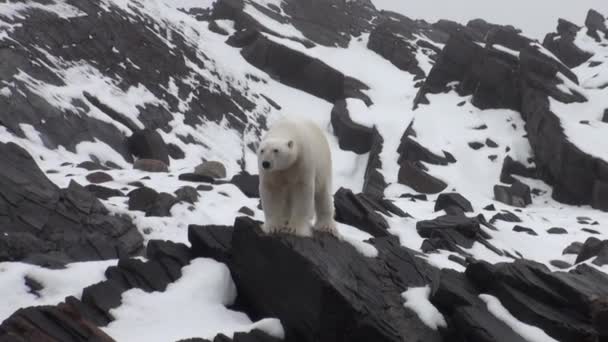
[(294, 162)]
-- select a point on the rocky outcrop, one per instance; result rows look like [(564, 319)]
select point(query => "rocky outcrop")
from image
[(363, 211), (43, 224), (562, 44), (289, 278), (79, 319), (351, 136), (523, 81), (301, 71)]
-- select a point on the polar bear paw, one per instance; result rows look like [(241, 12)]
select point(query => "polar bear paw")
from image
[(272, 228), (328, 227)]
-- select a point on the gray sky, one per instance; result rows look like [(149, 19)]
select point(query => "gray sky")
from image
[(535, 17)]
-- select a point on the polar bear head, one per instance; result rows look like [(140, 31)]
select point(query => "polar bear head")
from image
[(276, 154)]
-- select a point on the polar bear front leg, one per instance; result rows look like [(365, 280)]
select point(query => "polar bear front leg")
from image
[(324, 210), (275, 206), (302, 197)]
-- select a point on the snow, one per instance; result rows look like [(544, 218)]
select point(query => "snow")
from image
[(57, 284), (528, 332), (193, 306), (505, 49), (417, 299)]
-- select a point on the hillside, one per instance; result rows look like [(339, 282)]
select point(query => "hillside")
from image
[(470, 174)]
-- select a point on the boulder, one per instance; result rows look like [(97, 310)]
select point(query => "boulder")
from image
[(175, 151), (99, 177), (446, 200), (248, 184), (211, 168), (187, 194), (193, 177), (151, 202), (557, 230), (522, 229), (591, 248), (148, 144), (373, 180), (517, 195), (150, 165)]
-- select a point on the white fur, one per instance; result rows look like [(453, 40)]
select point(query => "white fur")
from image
[(297, 182)]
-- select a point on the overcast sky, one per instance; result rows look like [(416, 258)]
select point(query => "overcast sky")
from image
[(535, 17)]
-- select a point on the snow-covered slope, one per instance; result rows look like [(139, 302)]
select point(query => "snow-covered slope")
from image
[(411, 109)]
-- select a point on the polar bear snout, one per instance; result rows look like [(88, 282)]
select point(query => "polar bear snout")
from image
[(266, 165)]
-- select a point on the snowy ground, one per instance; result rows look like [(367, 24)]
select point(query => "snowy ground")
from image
[(206, 288)]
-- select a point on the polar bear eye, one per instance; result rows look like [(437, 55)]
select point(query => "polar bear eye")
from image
[(276, 150), (262, 151)]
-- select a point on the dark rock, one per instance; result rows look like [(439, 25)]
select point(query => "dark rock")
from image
[(345, 294), (63, 322), (595, 23), (521, 229), (136, 184), (557, 302), (248, 184), (204, 187), (192, 177), (560, 264), (591, 248), (187, 194), (476, 145), (506, 216), (411, 150), (373, 180), (511, 167), (175, 151), (602, 256), (590, 231), (489, 207), (99, 177), (300, 71), (92, 166), (148, 144), (518, 195), (34, 286), (490, 143), (415, 176), (599, 199), (563, 46), (481, 127), (599, 316), (214, 27), (351, 136), (573, 248), (103, 192), (151, 202), (605, 116), (212, 169), (453, 199), (362, 211), (42, 223), (210, 241), (557, 230), (393, 39), (419, 197), (246, 211), (254, 335), (150, 165)]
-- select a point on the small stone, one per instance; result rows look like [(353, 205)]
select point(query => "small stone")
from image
[(476, 145), (491, 144), (204, 187), (590, 231), (557, 230), (521, 229), (560, 264)]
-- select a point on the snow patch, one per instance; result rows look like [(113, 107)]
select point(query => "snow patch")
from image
[(417, 299)]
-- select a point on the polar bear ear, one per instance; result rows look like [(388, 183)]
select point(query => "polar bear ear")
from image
[(290, 143)]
